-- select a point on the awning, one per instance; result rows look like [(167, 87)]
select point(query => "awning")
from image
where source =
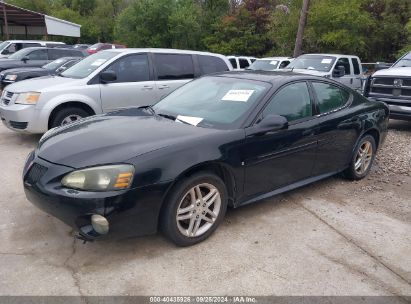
[(19, 21)]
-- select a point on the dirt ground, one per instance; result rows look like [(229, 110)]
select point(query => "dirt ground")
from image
[(334, 237)]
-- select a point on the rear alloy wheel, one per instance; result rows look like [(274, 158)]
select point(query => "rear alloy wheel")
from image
[(68, 115), (195, 209), (363, 158)]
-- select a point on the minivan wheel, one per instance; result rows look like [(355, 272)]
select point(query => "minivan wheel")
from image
[(67, 115), (363, 158), (195, 208)]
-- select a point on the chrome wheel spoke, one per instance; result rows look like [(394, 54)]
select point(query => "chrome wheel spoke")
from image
[(185, 210), (196, 226), (185, 217), (364, 158)]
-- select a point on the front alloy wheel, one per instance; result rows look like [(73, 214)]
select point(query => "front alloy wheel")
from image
[(198, 210), (194, 209)]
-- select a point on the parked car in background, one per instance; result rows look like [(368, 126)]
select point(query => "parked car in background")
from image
[(103, 46), (9, 47), (346, 69), (53, 68), (81, 46), (270, 63), (393, 86), (223, 140), (36, 57), (106, 81), (241, 62)]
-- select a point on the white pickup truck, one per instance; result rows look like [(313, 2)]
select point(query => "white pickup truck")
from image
[(393, 86), (346, 69)]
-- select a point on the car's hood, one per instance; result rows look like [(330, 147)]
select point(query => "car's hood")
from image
[(404, 71), (23, 70), (41, 84), (114, 138)]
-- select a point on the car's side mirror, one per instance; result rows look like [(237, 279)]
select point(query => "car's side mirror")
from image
[(108, 76), (5, 52), (25, 59), (270, 123), (339, 71)]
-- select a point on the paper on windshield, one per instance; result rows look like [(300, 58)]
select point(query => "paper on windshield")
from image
[(98, 62), (189, 119), (274, 62), (238, 95), (326, 61)]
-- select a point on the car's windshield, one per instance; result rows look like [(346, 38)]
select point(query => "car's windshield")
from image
[(215, 102), (313, 62), (54, 64), (20, 54), (3, 45), (88, 65), (264, 65), (403, 62)]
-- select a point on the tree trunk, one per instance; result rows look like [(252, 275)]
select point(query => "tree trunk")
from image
[(301, 27)]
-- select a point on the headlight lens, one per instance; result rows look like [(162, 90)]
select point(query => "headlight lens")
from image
[(104, 178), (11, 77), (29, 98)]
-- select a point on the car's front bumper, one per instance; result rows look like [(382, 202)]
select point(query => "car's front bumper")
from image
[(399, 109), (24, 118), (129, 212)]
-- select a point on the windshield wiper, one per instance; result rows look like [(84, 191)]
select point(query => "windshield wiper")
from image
[(149, 108), (167, 116)]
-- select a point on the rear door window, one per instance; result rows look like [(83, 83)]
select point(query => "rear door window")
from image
[(30, 44), (243, 63), (233, 62), (329, 97), (356, 66), (174, 66), (211, 64), (55, 54)]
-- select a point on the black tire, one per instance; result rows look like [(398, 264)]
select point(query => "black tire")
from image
[(351, 172), (62, 114), (168, 221)]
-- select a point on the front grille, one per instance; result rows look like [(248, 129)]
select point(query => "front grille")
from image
[(7, 96), (35, 173), (18, 125), (384, 81), (392, 87), (378, 90)]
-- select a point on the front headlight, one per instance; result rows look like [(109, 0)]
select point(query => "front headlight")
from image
[(104, 178), (11, 77), (29, 98)]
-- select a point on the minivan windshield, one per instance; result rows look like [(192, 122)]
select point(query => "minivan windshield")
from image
[(20, 54), (313, 62), (3, 45), (404, 62), (213, 102), (88, 65)]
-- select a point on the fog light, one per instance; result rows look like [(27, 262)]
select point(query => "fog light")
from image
[(99, 223)]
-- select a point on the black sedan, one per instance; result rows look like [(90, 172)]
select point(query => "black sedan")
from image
[(224, 140), (53, 68)]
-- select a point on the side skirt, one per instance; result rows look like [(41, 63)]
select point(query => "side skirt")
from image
[(287, 188)]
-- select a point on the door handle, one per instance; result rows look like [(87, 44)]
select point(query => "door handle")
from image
[(163, 86), (146, 87), (351, 81)]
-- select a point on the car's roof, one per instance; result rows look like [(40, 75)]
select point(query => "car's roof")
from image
[(336, 55), (37, 41), (50, 48), (275, 58), (159, 50), (268, 76)]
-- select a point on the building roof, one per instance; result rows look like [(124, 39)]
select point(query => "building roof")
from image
[(25, 22)]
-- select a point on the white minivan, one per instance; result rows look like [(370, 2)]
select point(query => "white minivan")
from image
[(9, 47), (346, 69), (106, 81)]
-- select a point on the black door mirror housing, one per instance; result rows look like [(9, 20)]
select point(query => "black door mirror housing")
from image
[(339, 71), (25, 59), (108, 76), (5, 52), (270, 123)]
